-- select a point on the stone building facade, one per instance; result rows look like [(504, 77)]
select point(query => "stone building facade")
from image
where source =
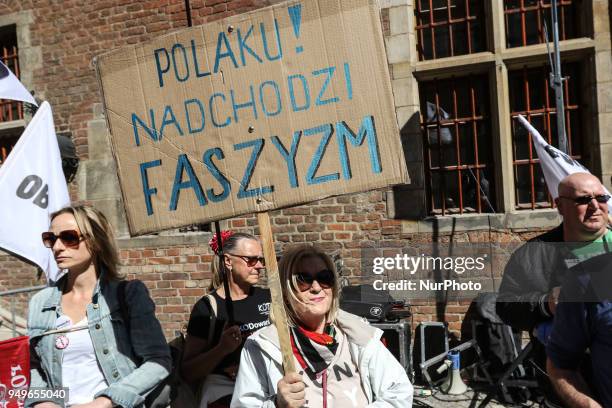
[(460, 72)]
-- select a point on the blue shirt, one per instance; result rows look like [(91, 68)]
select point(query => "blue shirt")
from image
[(583, 321)]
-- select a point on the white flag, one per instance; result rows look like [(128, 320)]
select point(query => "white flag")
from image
[(11, 88), (556, 165), (32, 186)]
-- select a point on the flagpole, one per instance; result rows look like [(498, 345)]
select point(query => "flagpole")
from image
[(557, 81)]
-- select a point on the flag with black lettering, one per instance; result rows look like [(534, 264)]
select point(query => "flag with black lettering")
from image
[(556, 165), (11, 88), (32, 186)]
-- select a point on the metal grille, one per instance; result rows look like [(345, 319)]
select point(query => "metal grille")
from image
[(9, 110), (531, 96), (525, 21), (455, 122), (446, 28)]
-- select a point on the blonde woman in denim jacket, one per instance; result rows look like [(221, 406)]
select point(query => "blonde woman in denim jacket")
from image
[(107, 365)]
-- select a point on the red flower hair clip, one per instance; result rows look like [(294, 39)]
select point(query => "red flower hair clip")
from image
[(213, 244)]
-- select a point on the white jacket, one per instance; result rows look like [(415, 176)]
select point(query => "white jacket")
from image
[(383, 378)]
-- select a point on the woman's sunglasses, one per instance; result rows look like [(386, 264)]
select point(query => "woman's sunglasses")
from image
[(251, 261), (69, 238), (324, 278)]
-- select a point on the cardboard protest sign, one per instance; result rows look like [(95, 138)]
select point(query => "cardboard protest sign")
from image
[(264, 110)]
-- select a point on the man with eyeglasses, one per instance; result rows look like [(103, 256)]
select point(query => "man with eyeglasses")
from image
[(529, 292), (583, 317)]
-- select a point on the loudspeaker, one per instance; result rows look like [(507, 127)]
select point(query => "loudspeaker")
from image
[(453, 384), (365, 301)]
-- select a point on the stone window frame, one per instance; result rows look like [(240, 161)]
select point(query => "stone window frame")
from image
[(406, 70)]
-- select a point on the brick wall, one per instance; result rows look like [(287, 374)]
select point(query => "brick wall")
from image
[(178, 275), (68, 34), (16, 274)]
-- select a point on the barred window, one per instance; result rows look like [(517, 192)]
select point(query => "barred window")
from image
[(447, 28), (532, 97), (10, 110), (455, 121), (525, 21)]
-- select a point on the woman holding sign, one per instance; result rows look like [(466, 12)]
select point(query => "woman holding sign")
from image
[(86, 350), (212, 350), (340, 358)]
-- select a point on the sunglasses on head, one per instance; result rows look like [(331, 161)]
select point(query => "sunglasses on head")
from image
[(582, 200), (69, 238), (324, 278), (251, 261)]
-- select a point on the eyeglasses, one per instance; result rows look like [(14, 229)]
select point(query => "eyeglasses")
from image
[(325, 278), (251, 261), (69, 238), (583, 200)]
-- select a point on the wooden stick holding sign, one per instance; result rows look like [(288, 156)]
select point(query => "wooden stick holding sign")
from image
[(274, 283)]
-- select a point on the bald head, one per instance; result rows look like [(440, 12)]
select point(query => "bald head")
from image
[(577, 182), (583, 220)]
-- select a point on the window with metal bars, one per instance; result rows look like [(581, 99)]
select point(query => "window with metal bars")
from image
[(447, 28), (525, 21), (532, 97), (9, 110), (456, 126)]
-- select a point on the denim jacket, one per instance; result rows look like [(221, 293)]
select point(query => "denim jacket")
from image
[(133, 363)]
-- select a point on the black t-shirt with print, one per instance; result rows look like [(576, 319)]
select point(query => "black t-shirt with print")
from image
[(250, 313)]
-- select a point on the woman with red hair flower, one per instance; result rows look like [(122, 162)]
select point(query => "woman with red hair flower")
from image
[(213, 346)]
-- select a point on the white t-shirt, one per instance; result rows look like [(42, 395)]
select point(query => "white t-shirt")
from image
[(81, 373)]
